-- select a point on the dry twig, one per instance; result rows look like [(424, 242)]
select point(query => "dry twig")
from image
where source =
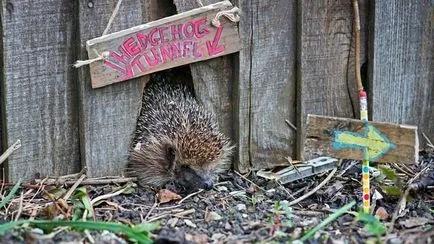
[(357, 45), (20, 209), (403, 199), (90, 181), (72, 189), (291, 125), (183, 213), (429, 143), (190, 195), (152, 209), (10, 150), (109, 195)]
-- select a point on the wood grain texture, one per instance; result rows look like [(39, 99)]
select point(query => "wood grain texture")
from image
[(141, 56), (270, 70), (325, 30), (242, 99), (107, 115), (38, 88), (320, 135), (402, 63), (213, 80)]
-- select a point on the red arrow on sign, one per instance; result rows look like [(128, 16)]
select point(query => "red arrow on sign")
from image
[(213, 47)]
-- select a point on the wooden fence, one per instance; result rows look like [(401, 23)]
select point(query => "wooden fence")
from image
[(296, 58)]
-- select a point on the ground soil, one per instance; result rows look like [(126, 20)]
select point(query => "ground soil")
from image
[(246, 210)]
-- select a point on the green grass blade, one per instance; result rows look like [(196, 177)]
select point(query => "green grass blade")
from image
[(11, 194), (113, 227), (11, 225), (328, 220), (140, 237)]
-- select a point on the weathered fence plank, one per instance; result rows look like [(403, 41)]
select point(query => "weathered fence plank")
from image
[(267, 80), (213, 79), (325, 30), (241, 102), (38, 88), (108, 115), (402, 68)]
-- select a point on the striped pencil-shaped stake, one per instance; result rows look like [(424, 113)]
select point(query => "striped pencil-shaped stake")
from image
[(365, 166)]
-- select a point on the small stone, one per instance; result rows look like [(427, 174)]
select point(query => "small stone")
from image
[(170, 236), (172, 222), (37, 231), (199, 239), (245, 216), (381, 213), (241, 207), (189, 223), (270, 193), (228, 226), (212, 216), (217, 236), (238, 217), (222, 188)]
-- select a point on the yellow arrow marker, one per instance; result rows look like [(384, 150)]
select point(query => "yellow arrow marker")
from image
[(373, 142)]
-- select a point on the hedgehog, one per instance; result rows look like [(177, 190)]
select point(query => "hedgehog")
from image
[(177, 140)]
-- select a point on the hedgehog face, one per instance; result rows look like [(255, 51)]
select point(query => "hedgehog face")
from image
[(193, 179), (188, 175)]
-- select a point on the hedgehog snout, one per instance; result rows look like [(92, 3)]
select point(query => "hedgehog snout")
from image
[(194, 179), (207, 182)]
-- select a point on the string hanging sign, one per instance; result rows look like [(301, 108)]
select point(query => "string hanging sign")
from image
[(196, 35)]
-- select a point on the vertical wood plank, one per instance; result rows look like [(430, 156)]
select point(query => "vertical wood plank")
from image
[(267, 69), (108, 115), (324, 41), (38, 88), (402, 68), (242, 89), (213, 80)]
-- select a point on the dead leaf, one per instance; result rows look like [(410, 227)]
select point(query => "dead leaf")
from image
[(165, 195), (413, 222), (50, 211), (382, 213)]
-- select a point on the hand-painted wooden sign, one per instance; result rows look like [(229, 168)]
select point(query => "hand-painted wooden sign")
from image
[(177, 40), (361, 140), (372, 142)]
